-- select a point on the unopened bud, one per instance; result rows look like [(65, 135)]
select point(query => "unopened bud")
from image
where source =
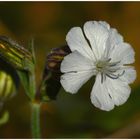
[(7, 86), (55, 57), (51, 77)]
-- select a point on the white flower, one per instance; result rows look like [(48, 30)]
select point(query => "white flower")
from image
[(99, 50)]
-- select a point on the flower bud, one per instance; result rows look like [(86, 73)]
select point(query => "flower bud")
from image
[(55, 57), (7, 86), (51, 76), (14, 54)]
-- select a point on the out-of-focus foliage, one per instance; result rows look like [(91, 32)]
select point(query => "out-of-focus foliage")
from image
[(4, 118), (70, 116)]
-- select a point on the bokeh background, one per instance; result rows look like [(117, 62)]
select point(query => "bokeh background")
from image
[(70, 116)]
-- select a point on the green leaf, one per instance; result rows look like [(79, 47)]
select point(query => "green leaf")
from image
[(27, 81), (31, 49)]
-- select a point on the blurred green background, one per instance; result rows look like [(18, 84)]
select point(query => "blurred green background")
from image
[(70, 116)]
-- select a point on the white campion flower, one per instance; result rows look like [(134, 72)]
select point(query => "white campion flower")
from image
[(99, 50)]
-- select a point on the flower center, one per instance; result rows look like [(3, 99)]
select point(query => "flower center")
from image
[(101, 65), (109, 69)]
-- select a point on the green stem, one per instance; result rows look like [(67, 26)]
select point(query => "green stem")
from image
[(35, 120)]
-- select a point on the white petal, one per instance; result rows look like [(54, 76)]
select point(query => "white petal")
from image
[(118, 90), (76, 62), (105, 24), (72, 82), (97, 34), (114, 39), (77, 41), (129, 75), (100, 96), (123, 52)]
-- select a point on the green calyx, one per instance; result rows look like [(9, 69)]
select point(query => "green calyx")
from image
[(22, 60), (15, 55)]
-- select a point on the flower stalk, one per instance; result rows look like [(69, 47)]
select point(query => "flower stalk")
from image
[(35, 120)]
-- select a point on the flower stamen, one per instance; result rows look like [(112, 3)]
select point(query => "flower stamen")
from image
[(107, 68)]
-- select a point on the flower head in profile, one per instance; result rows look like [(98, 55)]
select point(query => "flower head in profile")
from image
[(99, 50)]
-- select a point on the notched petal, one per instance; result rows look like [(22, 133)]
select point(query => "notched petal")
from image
[(77, 42), (97, 34), (100, 97)]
